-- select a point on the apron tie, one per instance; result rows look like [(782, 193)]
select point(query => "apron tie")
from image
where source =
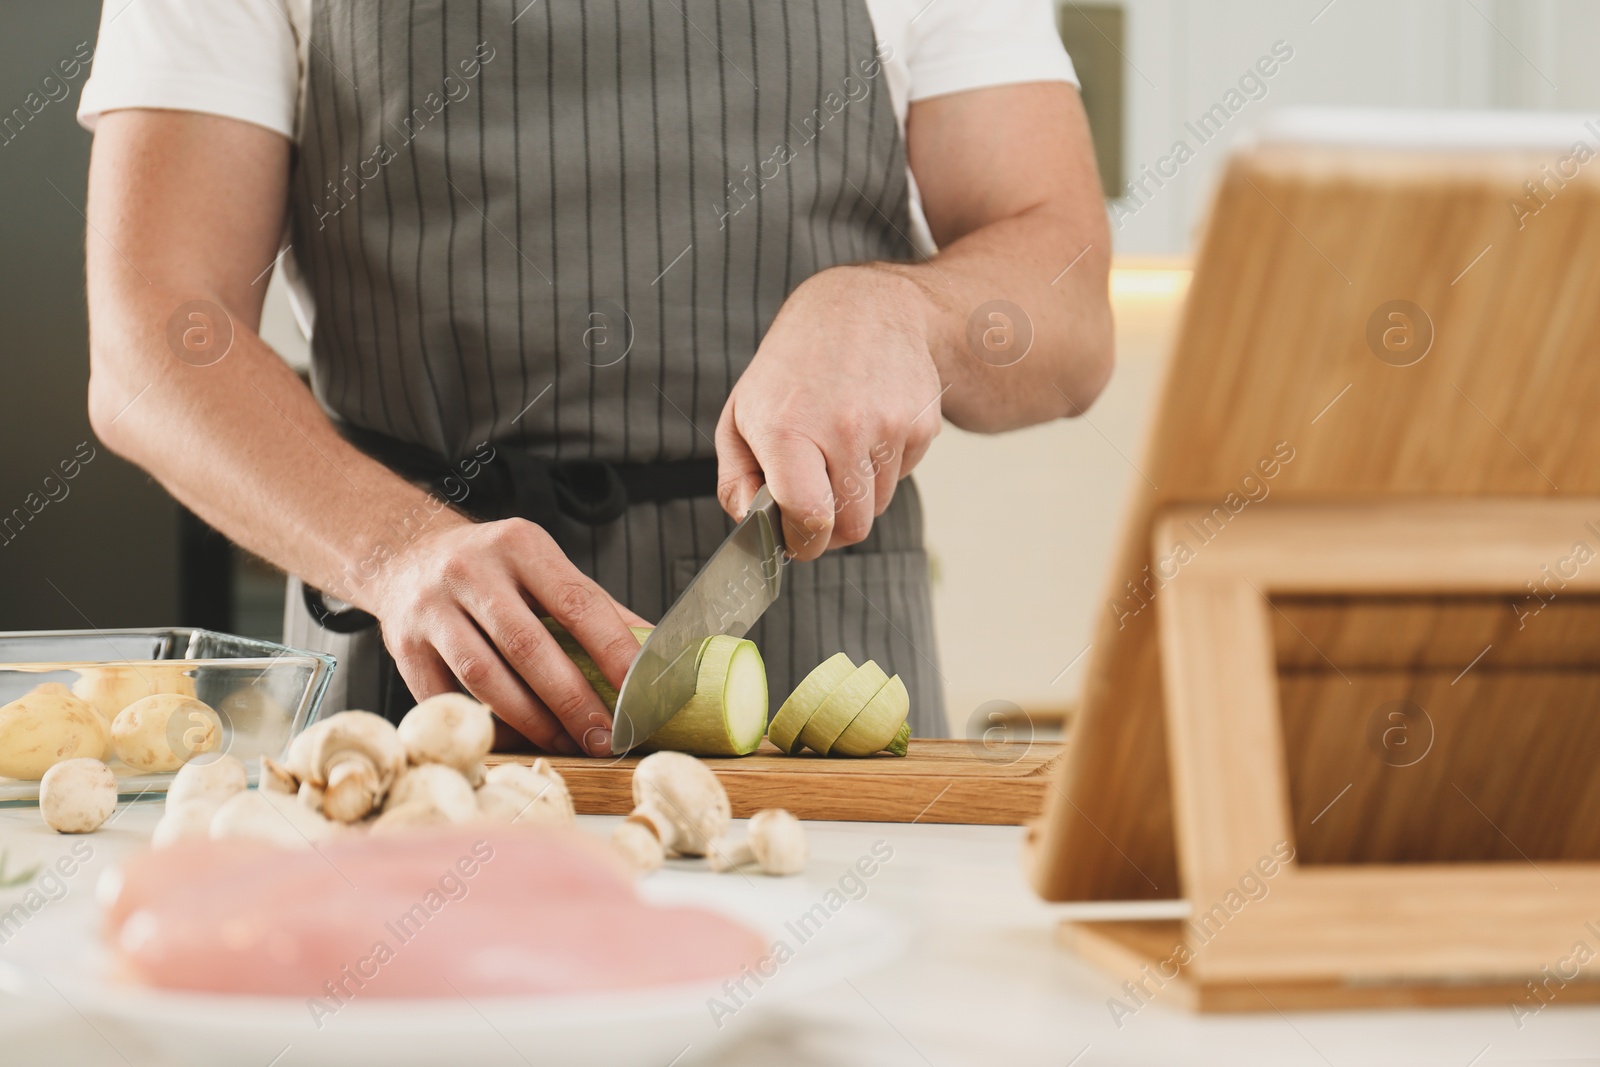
[(546, 490), (564, 496)]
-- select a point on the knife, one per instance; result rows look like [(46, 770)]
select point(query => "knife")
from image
[(737, 584)]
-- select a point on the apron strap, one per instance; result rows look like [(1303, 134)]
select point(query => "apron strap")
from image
[(561, 495), (514, 482)]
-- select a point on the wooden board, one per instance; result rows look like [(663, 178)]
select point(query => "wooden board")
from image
[(1303, 247), (1142, 952), (1258, 762), (938, 781)]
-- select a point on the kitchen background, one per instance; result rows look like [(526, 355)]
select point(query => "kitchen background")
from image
[(1020, 526)]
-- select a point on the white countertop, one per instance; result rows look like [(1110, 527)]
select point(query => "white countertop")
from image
[(982, 982)]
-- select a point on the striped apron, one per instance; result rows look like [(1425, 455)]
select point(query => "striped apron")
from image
[(561, 229)]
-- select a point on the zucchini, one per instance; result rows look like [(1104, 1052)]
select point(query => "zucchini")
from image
[(727, 715), (880, 724), (844, 710), (806, 699), (585, 663), (839, 709)]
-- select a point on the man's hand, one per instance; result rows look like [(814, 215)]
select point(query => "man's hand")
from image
[(839, 403), (851, 382), (464, 602)]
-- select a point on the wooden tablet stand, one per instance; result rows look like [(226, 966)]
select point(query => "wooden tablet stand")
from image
[(1344, 697)]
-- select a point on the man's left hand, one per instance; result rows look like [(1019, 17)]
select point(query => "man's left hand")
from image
[(840, 402)]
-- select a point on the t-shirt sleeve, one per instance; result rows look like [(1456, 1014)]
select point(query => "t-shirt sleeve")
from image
[(956, 45), (235, 58)]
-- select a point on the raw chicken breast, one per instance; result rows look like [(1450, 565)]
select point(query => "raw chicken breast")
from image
[(469, 911)]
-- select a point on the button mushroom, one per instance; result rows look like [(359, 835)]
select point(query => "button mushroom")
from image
[(776, 842), (183, 821), (639, 844), (271, 817), (310, 795), (401, 818), (297, 761), (354, 757), (437, 786), (513, 792), (213, 781), (680, 801), (77, 795), (450, 728), (275, 777), (197, 792)]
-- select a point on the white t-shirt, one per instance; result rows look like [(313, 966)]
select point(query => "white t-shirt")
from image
[(245, 59)]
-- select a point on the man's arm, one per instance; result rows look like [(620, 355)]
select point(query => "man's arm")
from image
[(848, 387), (186, 207)]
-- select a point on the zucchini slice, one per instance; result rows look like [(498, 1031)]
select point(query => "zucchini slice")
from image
[(806, 699)]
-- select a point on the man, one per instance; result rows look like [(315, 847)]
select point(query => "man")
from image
[(594, 271)]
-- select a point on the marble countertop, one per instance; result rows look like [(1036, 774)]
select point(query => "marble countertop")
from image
[(981, 983)]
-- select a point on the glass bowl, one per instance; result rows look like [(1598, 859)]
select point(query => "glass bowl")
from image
[(263, 692)]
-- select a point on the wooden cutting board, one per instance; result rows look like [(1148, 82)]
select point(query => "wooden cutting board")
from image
[(942, 781)]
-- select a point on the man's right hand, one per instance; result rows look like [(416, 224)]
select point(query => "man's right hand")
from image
[(462, 604)]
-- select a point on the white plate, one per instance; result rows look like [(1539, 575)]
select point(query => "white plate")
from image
[(57, 957)]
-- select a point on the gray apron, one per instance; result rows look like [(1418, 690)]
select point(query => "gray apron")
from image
[(563, 227)]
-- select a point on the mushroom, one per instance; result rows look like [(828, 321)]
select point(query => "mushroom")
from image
[(163, 731), (297, 761), (275, 777), (310, 794), (272, 817), (214, 781), (77, 795), (505, 806), (637, 841), (354, 757), (450, 728), (196, 794), (776, 842), (414, 815), (186, 820), (436, 786), (541, 791), (680, 801)]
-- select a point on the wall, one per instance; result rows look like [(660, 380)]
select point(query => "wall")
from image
[(102, 548), (1021, 525), (1183, 55)]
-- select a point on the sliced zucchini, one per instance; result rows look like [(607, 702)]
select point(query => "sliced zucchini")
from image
[(806, 699), (728, 713)]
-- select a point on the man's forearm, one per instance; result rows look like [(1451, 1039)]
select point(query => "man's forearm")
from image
[(244, 445), (184, 212), (1015, 303), (1006, 292)]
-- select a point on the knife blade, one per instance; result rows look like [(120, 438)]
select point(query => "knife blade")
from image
[(739, 582)]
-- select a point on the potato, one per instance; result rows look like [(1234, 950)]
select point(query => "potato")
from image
[(163, 731), (45, 726), (110, 689)]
